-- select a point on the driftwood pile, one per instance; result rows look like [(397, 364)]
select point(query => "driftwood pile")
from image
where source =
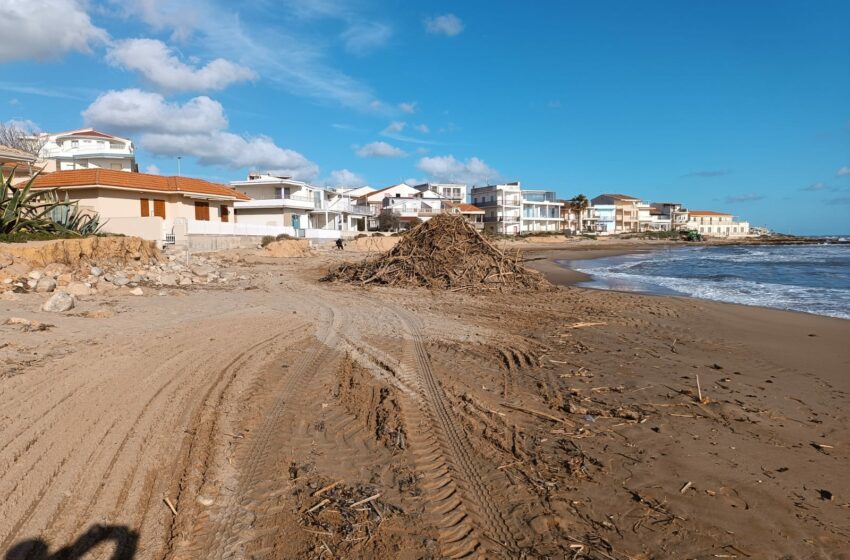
[(444, 253)]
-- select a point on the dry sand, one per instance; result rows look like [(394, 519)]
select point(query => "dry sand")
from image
[(292, 419)]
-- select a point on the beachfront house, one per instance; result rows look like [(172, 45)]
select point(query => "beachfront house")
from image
[(297, 208), (570, 222), (669, 216), (375, 200), (620, 213), (452, 192), (86, 148), (541, 212), (716, 224), (502, 205), (473, 214), (152, 207)]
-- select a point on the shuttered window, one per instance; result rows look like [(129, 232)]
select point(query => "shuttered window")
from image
[(225, 213), (144, 207), (202, 211), (159, 208)]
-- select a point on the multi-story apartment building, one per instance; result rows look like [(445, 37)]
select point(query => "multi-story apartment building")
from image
[(620, 213), (86, 148), (570, 221), (541, 212), (452, 192), (13, 160), (668, 216), (285, 202), (502, 205), (716, 224)]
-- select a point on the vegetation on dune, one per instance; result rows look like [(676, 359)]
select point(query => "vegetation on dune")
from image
[(27, 214)]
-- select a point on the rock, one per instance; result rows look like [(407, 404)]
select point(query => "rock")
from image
[(168, 279), (77, 289), (31, 284), (137, 291), (120, 280), (202, 270), (28, 325), (184, 281), (16, 269), (46, 284), (36, 274), (95, 271), (105, 286), (54, 269), (59, 302), (65, 279), (5, 260)]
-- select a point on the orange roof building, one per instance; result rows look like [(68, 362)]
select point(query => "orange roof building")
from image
[(145, 205)]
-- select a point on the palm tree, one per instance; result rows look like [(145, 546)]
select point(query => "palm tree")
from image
[(579, 204)]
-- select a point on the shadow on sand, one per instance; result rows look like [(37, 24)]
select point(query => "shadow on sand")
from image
[(124, 543)]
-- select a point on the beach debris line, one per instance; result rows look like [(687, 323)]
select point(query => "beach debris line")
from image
[(448, 253)]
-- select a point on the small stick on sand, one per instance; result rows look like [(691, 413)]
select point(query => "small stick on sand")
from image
[(321, 491), (321, 504), (582, 325), (699, 390), (673, 346), (170, 505), (685, 487), (539, 414), (365, 500)]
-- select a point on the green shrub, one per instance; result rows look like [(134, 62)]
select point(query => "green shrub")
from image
[(266, 240)]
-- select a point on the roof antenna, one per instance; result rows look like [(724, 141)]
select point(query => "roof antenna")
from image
[(178, 165)]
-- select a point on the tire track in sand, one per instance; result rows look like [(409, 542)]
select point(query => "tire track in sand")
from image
[(225, 532)]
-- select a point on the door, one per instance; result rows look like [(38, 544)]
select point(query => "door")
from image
[(296, 221), (159, 208), (225, 213), (202, 211), (144, 207)]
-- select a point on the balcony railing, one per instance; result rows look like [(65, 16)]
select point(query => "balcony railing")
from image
[(504, 219)]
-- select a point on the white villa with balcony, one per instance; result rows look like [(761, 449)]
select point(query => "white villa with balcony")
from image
[(502, 205), (451, 192), (716, 224), (86, 148), (298, 208), (541, 212)]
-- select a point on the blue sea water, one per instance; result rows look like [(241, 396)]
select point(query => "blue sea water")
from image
[(810, 278)]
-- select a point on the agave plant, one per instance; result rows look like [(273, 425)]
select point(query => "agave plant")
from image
[(25, 210)]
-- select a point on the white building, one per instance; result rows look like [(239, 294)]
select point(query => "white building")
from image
[(502, 205), (306, 210), (452, 192), (86, 148), (716, 224), (541, 212)]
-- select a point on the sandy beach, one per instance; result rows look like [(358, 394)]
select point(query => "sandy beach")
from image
[(298, 419)]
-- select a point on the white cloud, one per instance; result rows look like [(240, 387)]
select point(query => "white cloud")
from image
[(195, 128), (344, 178), (843, 171), (155, 61), (134, 110), (364, 37), (152, 169), (408, 107), (45, 29), (423, 128), (394, 127), (288, 56), (448, 24), (380, 149), (449, 169), (24, 125)]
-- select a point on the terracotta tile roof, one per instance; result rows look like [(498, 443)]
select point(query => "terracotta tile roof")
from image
[(94, 133), (128, 180), (15, 153), (467, 208), (621, 196), (708, 213), (385, 189)]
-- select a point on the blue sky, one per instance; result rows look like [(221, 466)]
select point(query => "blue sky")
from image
[(724, 105)]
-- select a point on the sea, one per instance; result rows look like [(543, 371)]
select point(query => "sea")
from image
[(809, 278)]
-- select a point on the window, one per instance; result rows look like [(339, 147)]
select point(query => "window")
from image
[(75, 143), (225, 213), (278, 193), (144, 207), (202, 211), (159, 208)]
